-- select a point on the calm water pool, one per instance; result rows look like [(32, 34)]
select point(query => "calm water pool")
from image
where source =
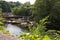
[(14, 30)]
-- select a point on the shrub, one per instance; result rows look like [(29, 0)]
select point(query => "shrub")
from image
[(46, 37), (1, 23), (36, 32), (1, 28)]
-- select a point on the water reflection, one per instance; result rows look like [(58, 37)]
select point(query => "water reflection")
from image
[(13, 29)]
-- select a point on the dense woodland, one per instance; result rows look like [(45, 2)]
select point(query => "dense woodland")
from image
[(45, 13)]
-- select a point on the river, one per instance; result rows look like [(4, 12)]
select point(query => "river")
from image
[(13, 29)]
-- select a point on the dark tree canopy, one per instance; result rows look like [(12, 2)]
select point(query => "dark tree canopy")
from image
[(6, 6), (44, 8), (22, 10)]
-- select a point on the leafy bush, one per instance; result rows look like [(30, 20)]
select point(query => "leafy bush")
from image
[(1, 28), (36, 32), (1, 23), (53, 34), (0, 10), (30, 36), (46, 37)]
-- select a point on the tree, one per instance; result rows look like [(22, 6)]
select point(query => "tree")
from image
[(55, 15), (47, 7), (39, 10), (22, 10), (5, 6), (14, 4)]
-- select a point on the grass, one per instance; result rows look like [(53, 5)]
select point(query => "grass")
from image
[(3, 30)]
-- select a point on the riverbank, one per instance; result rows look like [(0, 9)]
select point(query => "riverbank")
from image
[(5, 37), (14, 30)]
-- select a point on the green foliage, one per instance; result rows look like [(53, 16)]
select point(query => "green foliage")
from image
[(36, 32), (43, 8), (54, 14), (6, 32), (22, 10), (39, 11), (14, 4), (30, 36), (0, 11), (1, 23), (53, 34), (6, 6), (46, 37), (1, 28), (34, 37)]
